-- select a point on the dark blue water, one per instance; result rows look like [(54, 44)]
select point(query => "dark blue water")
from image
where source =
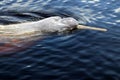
[(81, 55)]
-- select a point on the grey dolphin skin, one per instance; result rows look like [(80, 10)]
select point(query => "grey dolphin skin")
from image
[(17, 37)]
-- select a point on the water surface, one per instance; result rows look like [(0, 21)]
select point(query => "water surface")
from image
[(81, 55)]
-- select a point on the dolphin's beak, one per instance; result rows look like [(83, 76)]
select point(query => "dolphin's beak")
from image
[(91, 28)]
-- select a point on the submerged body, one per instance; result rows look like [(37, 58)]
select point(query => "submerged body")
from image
[(15, 37)]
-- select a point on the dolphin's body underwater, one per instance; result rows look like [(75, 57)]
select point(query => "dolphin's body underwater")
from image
[(16, 37)]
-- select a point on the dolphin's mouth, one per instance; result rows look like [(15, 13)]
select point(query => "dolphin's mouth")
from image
[(67, 31)]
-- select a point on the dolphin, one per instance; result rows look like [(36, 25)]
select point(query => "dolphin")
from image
[(17, 37)]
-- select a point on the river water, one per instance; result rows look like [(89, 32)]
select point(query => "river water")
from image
[(81, 55)]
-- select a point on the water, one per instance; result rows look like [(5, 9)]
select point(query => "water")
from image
[(82, 55)]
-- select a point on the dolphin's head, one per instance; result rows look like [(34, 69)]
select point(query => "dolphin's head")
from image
[(70, 24), (69, 21), (58, 24)]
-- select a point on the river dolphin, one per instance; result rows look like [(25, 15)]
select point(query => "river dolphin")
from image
[(16, 37)]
